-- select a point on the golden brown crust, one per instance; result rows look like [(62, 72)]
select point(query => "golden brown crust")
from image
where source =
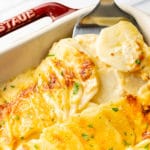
[(54, 93), (49, 107), (86, 69)]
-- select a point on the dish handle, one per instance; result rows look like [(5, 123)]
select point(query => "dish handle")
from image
[(52, 9)]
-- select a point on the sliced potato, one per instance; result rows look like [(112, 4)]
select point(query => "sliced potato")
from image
[(118, 46)]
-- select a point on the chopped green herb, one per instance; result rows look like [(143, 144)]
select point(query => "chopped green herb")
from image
[(4, 89), (138, 61), (75, 88), (90, 126), (2, 123), (147, 146), (131, 134), (17, 117), (62, 73), (125, 133), (50, 55), (147, 125), (5, 101), (142, 67), (110, 148), (126, 143), (35, 146), (91, 145), (12, 86), (92, 136), (30, 128), (115, 109), (85, 136), (22, 137)]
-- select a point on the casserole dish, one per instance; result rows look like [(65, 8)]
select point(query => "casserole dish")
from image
[(90, 126), (28, 48)]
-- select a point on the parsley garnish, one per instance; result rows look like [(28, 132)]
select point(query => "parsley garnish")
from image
[(50, 55), (115, 109), (12, 86), (147, 125), (62, 73), (91, 145), (17, 117), (75, 88), (2, 123), (5, 101), (147, 146), (90, 126), (125, 133), (22, 137), (85, 136), (92, 136), (126, 143), (138, 61), (35, 146), (4, 89)]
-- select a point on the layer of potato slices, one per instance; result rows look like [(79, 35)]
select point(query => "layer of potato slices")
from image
[(60, 86), (118, 125)]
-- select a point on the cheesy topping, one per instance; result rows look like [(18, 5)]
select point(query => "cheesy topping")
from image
[(91, 92)]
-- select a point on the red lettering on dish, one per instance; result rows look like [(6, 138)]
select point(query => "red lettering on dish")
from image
[(2, 28), (22, 17), (15, 21), (30, 14), (8, 24)]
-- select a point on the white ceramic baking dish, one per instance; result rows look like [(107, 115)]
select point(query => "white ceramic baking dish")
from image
[(19, 54), (24, 52)]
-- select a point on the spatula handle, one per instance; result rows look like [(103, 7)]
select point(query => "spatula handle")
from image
[(54, 10)]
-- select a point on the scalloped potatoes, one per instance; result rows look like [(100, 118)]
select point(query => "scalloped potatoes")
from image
[(90, 92)]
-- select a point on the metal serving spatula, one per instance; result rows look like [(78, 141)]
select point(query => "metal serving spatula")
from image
[(106, 13)]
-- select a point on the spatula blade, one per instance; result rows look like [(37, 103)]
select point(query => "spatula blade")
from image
[(79, 29)]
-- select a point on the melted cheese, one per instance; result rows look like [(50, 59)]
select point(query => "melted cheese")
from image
[(90, 93), (116, 125), (118, 48), (61, 85), (116, 82)]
